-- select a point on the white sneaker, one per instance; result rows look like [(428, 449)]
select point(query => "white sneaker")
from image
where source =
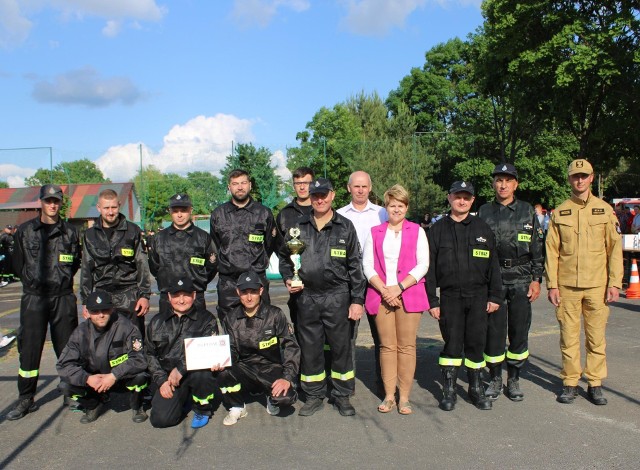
[(272, 409), (4, 283), (234, 415), (6, 341)]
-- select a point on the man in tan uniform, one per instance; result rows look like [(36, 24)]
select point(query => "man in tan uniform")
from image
[(584, 273)]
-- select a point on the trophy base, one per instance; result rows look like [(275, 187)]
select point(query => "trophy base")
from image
[(297, 283)]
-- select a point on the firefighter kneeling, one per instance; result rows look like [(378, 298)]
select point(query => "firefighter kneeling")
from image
[(103, 354), (258, 331)]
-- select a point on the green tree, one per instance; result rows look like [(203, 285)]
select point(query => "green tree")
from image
[(154, 190), (575, 64), (4, 184), (75, 172), (267, 186), (206, 191)]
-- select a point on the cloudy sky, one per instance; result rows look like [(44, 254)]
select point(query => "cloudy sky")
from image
[(179, 81)]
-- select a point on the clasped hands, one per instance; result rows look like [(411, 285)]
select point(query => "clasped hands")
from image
[(392, 295)]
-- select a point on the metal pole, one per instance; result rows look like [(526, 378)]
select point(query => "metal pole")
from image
[(142, 208), (324, 146), (51, 165)]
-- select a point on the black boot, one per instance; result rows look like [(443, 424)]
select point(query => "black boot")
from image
[(513, 384), (139, 415), (23, 406), (476, 390), (494, 389), (449, 396)]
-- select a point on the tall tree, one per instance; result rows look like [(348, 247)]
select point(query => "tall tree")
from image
[(206, 191), (267, 186), (75, 172), (154, 190), (576, 63)]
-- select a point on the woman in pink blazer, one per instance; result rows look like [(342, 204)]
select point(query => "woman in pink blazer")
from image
[(396, 259)]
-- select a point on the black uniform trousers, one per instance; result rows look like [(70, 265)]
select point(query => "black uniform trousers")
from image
[(252, 375), (36, 312), (228, 297), (463, 325), (514, 318), (90, 399), (197, 385), (325, 317), (124, 301)]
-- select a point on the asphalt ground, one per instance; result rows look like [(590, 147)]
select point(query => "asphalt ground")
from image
[(535, 433)]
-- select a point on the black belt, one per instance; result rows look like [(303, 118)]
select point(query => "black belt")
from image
[(512, 263)]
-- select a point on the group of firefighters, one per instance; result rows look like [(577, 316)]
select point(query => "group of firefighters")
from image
[(488, 269)]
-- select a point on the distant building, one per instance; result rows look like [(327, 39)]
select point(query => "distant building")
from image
[(17, 205)]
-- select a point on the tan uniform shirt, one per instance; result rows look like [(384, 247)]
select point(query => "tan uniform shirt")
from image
[(584, 245)]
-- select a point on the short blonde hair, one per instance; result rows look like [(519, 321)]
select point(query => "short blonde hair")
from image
[(398, 193)]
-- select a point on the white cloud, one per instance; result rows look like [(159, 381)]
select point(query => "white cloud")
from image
[(378, 17), (261, 12), (15, 24), (201, 144), (14, 27), (146, 10), (15, 175), (112, 28), (85, 87), (279, 159)]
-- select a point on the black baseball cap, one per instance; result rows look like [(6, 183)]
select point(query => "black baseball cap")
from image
[(505, 169), (99, 300), (181, 285), (51, 190), (249, 280), (462, 186), (320, 186), (180, 200)]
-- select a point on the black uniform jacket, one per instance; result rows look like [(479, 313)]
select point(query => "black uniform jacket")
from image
[(331, 260), (166, 333), (463, 260), (187, 253), (246, 237), (519, 240), (288, 217), (117, 349), (46, 258), (6, 242), (115, 264), (258, 340)]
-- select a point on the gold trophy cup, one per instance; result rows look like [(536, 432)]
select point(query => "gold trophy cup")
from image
[(295, 247)]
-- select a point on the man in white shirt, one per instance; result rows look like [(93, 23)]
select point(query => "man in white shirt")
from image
[(364, 215)]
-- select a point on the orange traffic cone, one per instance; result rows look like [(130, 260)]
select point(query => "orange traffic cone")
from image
[(633, 291)]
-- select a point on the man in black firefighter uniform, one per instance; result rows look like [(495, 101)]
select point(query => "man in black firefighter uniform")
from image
[(103, 354), (245, 233), (519, 244), (265, 356), (289, 217), (6, 250), (164, 348), (332, 299), (114, 260), (183, 251), (46, 257), (463, 262)]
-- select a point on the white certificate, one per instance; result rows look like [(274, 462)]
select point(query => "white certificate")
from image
[(206, 352)]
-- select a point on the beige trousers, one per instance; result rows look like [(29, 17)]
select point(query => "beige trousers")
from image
[(397, 330), (588, 304)]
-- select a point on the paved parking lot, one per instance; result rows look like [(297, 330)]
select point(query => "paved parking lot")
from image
[(535, 433)]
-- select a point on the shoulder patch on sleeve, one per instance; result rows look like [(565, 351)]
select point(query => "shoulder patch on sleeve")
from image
[(136, 344)]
